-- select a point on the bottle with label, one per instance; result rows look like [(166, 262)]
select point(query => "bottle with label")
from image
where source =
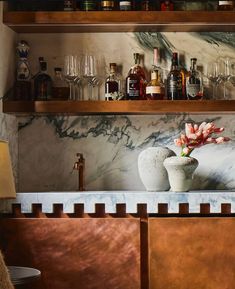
[(194, 86), (136, 81), (42, 84), (88, 5), (125, 5), (60, 88), (107, 5), (174, 80), (155, 88), (226, 5), (113, 84), (68, 5), (22, 89), (167, 5), (147, 5)]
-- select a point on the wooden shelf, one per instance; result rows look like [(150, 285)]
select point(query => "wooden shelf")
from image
[(119, 21), (118, 107)]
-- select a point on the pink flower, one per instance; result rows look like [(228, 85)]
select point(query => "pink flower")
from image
[(197, 136)]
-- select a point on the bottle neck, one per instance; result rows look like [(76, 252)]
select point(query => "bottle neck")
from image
[(154, 75)]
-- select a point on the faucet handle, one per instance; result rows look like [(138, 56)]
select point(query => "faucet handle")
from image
[(79, 165)]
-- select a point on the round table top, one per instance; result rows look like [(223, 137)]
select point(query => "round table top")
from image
[(23, 275)]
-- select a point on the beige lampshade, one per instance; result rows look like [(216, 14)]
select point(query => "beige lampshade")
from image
[(7, 186)]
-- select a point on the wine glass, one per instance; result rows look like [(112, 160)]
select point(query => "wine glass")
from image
[(88, 67), (212, 73), (71, 73), (224, 69)]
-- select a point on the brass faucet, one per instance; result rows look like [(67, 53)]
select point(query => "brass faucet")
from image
[(79, 165)]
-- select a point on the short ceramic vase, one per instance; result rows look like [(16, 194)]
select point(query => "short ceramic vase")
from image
[(151, 170), (180, 172)]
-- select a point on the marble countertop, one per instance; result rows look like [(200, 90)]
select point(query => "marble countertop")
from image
[(130, 198)]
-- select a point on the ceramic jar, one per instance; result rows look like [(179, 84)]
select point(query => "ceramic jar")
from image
[(151, 170), (180, 172)]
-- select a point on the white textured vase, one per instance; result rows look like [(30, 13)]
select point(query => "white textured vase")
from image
[(180, 172), (151, 170)]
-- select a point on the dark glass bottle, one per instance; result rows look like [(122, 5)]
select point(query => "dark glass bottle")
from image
[(174, 80), (225, 5), (60, 88), (42, 84), (113, 84), (88, 5), (147, 5), (167, 5), (68, 5), (136, 81), (107, 5), (125, 5), (194, 87)]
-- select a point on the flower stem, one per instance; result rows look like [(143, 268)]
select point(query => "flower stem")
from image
[(186, 154)]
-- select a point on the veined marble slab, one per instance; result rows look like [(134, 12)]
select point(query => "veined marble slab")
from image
[(111, 198)]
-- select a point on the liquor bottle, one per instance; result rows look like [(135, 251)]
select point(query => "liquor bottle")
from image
[(22, 89), (113, 84), (107, 5), (60, 88), (68, 5), (155, 88), (42, 84), (225, 5), (88, 5), (194, 87), (125, 5), (147, 5), (136, 81), (167, 5), (174, 80)]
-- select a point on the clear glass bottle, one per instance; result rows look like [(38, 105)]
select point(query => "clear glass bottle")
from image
[(113, 84), (107, 5), (68, 5), (147, 5), (22, 89), (42, 84), (167, 5), (194, 85), (125, 5), (225, 5), (60, 87), (136, 81), (155, 88), (174, 80)]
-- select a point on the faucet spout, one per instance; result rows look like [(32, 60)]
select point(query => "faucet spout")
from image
[(79, 165)]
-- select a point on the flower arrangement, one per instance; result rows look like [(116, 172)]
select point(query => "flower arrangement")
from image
[(196, 136)]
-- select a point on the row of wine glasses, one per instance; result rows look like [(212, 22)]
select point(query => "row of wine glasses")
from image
[(78, 69), (221, 74)]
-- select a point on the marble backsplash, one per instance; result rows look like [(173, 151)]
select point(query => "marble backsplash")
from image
[(111, 144)]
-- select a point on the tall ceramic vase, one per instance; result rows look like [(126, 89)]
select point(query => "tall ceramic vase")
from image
[(151, 170), (180, 172)]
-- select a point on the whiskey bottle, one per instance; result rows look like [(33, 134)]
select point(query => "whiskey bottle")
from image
[(107, 5), (167, 5), (194, 87), (136, 81), (155, 88), (125, 5), (225, 5), (88, 5), (42, 84), (22, 89), (60, 88), (113, 84), (174, 80), (147, 5)]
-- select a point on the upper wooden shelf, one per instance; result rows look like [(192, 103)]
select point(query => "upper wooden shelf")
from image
[(119, 21), (119, 107)]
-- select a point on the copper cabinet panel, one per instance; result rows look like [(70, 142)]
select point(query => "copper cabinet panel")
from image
[(75, 253), (192, 253)]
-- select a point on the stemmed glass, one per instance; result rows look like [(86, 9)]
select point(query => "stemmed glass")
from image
[(88, 67), (212, 73), (71, 70), (224, 68)]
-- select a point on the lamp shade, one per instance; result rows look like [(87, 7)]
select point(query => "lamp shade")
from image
[(7, 186)]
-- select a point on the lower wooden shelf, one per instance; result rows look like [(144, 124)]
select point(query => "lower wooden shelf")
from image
[(119, 107)]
